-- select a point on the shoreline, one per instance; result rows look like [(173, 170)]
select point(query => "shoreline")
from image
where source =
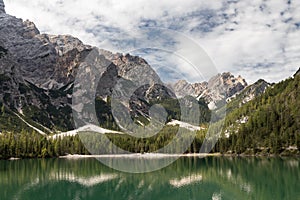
[(160, 155), (139, 155)]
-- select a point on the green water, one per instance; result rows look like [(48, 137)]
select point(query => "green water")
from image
[(188, 178)]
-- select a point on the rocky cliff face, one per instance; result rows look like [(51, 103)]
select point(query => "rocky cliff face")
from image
[(252, 91), (35, 70), (221, 86), (2, 9), (47, 61), (37, 74), (183, 88), (249, 93)]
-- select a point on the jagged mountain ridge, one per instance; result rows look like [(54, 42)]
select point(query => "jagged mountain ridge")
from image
[(45, 60), (38, 72), (219, 87), (251, 91), (247, 94)]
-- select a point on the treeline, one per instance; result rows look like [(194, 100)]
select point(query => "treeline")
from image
[(33, 145), (175, 139)]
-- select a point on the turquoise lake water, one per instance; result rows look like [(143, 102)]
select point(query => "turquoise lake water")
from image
[(187, 178)]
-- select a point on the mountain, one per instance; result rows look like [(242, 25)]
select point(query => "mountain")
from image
[(219, 87), (266, 124), (38, 74), (252, 91), (247, 94), (45, 79), (36, 70)]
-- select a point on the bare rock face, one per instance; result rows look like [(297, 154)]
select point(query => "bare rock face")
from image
[(183, 88), (38, 71), (130, 67), (46, 61), (225, 85), (217, 88), (2, 7), (252, 91)]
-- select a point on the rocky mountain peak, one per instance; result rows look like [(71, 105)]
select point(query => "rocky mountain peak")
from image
[(183, 88), (66, 43), (131, 66), (30, 30), (217, 88), (182, 84), (251, 91), (2, 7), (226, 78), (47, 61)]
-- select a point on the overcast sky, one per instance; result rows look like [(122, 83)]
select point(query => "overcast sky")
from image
[(253, 38)]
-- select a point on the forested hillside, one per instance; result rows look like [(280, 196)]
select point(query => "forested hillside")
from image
[(270, 123)]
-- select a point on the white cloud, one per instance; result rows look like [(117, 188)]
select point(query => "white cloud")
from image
[(257, 39)]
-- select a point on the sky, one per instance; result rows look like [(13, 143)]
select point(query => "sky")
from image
[(252, 38)]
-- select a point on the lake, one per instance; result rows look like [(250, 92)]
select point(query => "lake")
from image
[(187, 178)]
